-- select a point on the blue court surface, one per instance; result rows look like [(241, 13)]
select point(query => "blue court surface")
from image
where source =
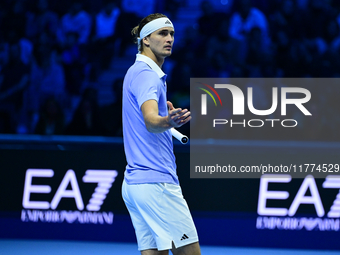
[(32, 247)]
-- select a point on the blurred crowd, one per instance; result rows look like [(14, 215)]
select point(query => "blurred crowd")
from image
[(267, 38), (52, 53)]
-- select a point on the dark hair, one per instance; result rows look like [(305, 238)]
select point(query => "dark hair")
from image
[(136, 30)]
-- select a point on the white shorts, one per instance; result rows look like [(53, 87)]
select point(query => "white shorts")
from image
[(160, 215)]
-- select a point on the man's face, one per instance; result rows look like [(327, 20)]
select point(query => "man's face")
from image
[(161, 41)]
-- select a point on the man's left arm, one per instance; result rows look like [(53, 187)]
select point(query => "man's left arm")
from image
[(158, 124)]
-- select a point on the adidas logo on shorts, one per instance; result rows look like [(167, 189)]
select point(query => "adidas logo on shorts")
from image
[(184, 237), (168, 22)]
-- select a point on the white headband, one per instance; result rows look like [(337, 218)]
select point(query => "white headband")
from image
[(153, 26)]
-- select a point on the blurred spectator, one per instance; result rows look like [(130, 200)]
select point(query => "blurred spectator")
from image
[(51, 118), (220, 51), (207, 21), (287, 18), (14, 78), (102, 47), (140, 8), (297, 62), (329, 58), (244, 19), (282, 53), (40, 20), (76, 20), (12, 20), (73, 58), (332, 34), (125, 23), (26, 49), (218, 66), (106, 21), (186, 65), (132, 11), (25, 46), (86, 119), (47, 78), (171, 8), (258, 54), (112, 113), (316, 18)]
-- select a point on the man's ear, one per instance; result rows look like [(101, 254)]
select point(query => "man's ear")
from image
[(146, 41)]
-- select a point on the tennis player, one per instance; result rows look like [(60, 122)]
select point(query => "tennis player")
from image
[(150, 189)]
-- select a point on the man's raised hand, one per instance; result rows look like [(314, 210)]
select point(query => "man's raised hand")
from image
[(178, 117)]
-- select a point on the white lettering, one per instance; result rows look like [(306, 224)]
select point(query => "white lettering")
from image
[(29, 188), (300, 198), (264, 194), (262, 112), (298, 101), (70, 177)]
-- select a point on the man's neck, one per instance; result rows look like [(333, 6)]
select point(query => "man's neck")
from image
[(158, 60)]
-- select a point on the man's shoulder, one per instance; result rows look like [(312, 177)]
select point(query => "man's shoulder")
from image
[(140, 67)]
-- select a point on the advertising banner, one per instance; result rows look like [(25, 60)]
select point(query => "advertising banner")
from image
[(76, 195)]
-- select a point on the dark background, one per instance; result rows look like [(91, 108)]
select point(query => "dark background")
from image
[(51, 82)]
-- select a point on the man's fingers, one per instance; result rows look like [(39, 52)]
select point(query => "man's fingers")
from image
[(175, 112), (178, 111), (185, 120), (180, 118), (181, 122), (183, 116), (170, 106)]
